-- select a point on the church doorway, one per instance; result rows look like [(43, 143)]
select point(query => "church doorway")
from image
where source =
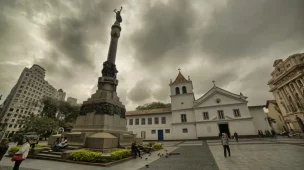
[(160, 135), (224, 128)]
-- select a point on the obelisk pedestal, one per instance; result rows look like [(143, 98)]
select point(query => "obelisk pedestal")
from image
[(102, 122)]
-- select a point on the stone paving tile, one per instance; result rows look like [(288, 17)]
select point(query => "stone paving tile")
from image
[(10, 168), (261, 157), (190, 158)]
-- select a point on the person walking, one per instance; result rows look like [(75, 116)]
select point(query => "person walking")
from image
[(3, 147), (23, 152), (225, 142), (236, 136)]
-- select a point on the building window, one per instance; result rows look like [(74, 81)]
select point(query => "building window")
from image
[(149, 121), (136, 121), (185, 130), (156, 121), (184, 89), (143, 134), (11, 109), (183, 118), (143, 121), (292, 87), (130, 121), (167, 131), (163, 120), (206, 115), (15, 126), (236, 113), (221, 114), (177, 90), (300, 83), (10, 125), (153, 131)]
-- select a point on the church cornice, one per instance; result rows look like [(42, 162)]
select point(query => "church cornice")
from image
[(220, 105), (284, 75), (178, 95), (197, 102), (225, 120)]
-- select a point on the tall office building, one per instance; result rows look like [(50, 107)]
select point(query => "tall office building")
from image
[(72, 101), (25, 98)]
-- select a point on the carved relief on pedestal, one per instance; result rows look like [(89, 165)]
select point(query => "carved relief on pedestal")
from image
[(109, 69), (102, 108)]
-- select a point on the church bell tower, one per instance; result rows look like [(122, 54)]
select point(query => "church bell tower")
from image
[(182, 96)]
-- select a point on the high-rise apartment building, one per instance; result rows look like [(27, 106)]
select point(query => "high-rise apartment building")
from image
[(25, 98), (72, 101)]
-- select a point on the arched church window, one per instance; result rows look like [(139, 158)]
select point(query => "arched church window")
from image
[(177, 90), (184, 89), (300, 83)]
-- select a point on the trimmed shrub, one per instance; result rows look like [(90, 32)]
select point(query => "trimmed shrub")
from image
[(157, 146), (120, 154), (13, 150), (150, 144), (86, 155)]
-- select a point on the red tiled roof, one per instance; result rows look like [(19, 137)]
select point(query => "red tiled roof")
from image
[(180, 79), (148, 112)]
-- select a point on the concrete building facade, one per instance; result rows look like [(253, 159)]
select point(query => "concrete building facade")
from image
[(72, 101), (286, 84), (25, 98), (275, 113), (217, 111)]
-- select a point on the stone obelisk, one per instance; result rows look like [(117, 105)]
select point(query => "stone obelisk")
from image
[(102, 122)]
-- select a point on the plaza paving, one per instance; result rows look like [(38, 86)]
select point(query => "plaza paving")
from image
[(247, 154)]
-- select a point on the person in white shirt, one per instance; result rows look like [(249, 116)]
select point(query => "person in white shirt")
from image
[(24, 150)]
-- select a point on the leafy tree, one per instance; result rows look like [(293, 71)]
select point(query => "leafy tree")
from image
[(50, 107), (43, 126), (153, 105)]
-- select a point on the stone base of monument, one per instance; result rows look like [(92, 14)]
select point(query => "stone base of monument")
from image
[(99, 131)]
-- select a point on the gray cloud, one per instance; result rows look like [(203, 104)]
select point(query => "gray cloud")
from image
[(250, 28), (209, 41), (165, 34), (141, 91)]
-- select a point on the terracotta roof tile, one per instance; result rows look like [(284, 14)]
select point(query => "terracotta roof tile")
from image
[(148, 112), (180, 79)]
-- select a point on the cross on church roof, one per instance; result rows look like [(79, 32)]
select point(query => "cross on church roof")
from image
[(213, 82), (179, 69)]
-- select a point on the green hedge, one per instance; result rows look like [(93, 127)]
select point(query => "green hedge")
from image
[(85, 155), (120, 154), (157, 146), (15, 149)]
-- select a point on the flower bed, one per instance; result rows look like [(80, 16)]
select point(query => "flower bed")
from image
[(15, 149), (85, 155)]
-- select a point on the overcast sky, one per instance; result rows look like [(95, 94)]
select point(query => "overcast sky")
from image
[(233, 42)]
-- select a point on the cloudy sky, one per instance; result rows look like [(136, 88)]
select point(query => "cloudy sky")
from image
[(233, 42)]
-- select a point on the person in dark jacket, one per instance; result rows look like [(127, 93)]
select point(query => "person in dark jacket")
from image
[(135, 150), (236, 136), (3, 147)]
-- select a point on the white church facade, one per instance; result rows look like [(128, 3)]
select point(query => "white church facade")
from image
[(217, 111)]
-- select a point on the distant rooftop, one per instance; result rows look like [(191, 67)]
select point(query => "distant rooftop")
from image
[(149, 112)]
